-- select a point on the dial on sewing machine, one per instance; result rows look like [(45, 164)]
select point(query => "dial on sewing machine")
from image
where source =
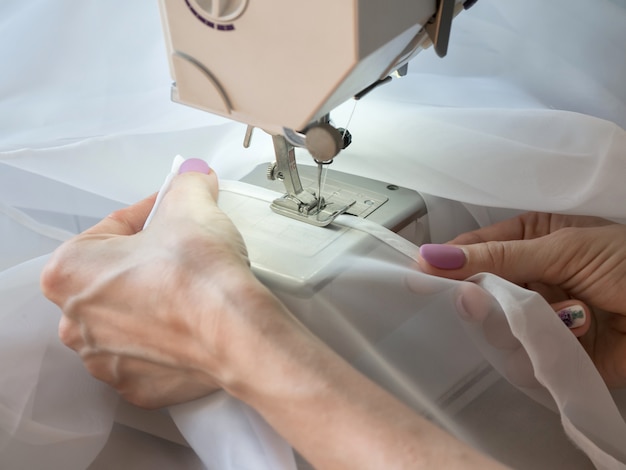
[(283, 65)]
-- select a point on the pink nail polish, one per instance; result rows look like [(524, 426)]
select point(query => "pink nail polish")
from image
[(443, 256), (573, 316), (194, 165)]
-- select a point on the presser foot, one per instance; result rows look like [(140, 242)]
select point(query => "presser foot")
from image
[(319, 213), (387, 204)]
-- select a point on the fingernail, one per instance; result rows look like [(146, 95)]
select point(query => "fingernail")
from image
[(573, 316), (194, 164), (443, 256)]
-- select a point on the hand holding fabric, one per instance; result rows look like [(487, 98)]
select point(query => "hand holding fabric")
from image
[(135, 302), (577, 263)]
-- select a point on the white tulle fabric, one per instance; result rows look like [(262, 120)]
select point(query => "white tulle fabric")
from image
[(526, 113)]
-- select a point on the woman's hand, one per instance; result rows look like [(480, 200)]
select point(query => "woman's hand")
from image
[(149, 310), (569, 260)]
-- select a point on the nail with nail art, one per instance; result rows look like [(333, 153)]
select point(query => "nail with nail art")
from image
[(573, 316)]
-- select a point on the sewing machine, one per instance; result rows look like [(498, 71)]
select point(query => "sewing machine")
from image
[(283, 65)]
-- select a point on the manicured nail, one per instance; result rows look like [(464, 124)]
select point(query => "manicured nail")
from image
[(573, 316), (194, 164), (443, 256)]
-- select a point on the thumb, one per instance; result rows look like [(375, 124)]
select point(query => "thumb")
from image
[(519, 261), (196, 165), (191, 194), (196, 175)]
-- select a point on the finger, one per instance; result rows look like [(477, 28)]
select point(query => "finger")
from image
[(196, 176), (575, 315), (519, 261), (194, 165), (70, 333), (473, 303), (476, 305), (527, 226), (511, 229), (127, 221), (191, 193)]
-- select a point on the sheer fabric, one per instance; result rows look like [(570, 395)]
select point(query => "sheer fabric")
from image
[(526, 113)]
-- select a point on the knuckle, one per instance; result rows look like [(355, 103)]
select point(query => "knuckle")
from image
[(565, 240), (51, 278), (495, 255), (117, 215), (120, 217), (568, 250), (67, 333), (534, 224), (57, 273), (139, 398), (469, 238), (567, 233)]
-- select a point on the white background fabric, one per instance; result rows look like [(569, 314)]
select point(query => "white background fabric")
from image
[(526, 112)]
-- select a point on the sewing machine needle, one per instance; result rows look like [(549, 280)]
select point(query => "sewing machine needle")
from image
[(319, 187)]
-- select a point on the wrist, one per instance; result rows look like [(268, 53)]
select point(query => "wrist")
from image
[(241, 324)]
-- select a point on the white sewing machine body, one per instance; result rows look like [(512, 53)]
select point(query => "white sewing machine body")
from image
[(277, 64), (283, 65)]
